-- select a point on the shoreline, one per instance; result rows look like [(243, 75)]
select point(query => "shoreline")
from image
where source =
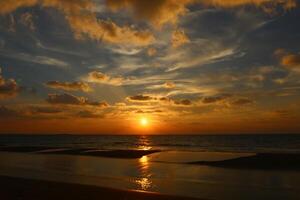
[(260, 161), (29, 189)]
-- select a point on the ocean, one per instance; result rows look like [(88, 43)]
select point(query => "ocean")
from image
[(181, 166), (206, 143)]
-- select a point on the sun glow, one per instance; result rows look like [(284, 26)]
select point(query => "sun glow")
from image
[(144, 121)]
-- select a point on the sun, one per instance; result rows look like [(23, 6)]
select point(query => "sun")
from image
[(144, 121)]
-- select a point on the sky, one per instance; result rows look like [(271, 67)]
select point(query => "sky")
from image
[(149, 67)]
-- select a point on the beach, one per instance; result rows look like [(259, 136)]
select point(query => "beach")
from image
[(26, 189), (147, 168)]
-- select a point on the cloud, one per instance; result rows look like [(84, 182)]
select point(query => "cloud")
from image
[(215, 99), (242, 102), (84, 22), (27, 20), (163, 100), (9, 6), (45, 110), (8, 87), (7, 112), (291, 61), (288, 60), (141, 98), (88, 114), (184, 102), (70, 99), (157, 12), (200, 52), (267, 4), (169, 85), (42, 60), (66, 99), (151, 51), (161, 12), (108, 31), (99, 77), (179, 38), (99, 104), (69, 86)]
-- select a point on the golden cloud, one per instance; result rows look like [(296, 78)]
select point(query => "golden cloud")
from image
[(69, 86), (291, 61), (83, 21), (288, 60), (99, 77), (169, 85), (160, 12), (287, 4), (151, 52), (157, 12), (8, 6), (179, 38)]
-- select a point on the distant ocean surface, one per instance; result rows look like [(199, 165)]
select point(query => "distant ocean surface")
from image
[(219, 143)]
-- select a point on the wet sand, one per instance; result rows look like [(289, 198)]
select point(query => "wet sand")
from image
[(26, 189)]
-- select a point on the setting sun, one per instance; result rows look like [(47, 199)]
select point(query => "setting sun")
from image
[(144, 121)]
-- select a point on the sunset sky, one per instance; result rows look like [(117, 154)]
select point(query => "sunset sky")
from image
[(149, 67)]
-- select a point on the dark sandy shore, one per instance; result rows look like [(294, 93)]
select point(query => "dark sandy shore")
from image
[(26, 189), (264, 161)]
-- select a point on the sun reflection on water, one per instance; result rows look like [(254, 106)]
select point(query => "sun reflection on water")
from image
[(144, 183), (144, 143)]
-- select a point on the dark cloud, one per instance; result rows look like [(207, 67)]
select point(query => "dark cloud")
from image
[(99, 104), (6, 112), (215, 99), (66, 99), (163, 100), (26, 20), (141, 98), (242, 102), (70, 99), (148, 111), (46, 110), (8, 88), (69, 86), (184, 102)]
